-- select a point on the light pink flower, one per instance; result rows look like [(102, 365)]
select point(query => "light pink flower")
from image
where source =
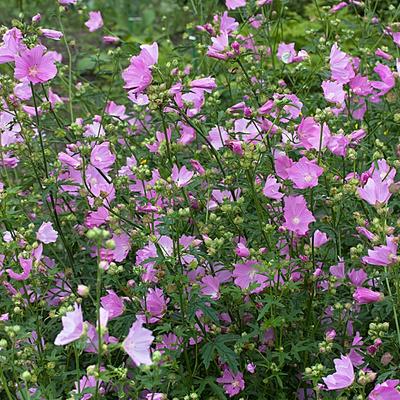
[(113, 304), (137, 343), (182, 176), (375, 191), (271, 188), (26, 265), (101, 157), (387, 81), (73, 327), (386, 391), (233, 4), (384, 255), (137, 76), (304, 173), (320, 238), (248, 274), (297, 216), (344, 375), (341, 65), (286, 52), (218, 136), (333, 91), (46, 234), (95, 21), (51, 34), (35, 66), (156, 304), (219, 47)]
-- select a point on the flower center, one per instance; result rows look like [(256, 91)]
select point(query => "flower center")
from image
[(308, 178), (33, 71), (235, 383), (296, 220)]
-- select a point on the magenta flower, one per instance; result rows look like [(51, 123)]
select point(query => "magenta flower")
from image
[(232, 383), (12, 45), (46, 234), (137, 343), (297, 216), (387, 81), (386, 391), (341, 65), (35, 66), (95, 21), (271, 188), (73, 327), (137, 76), (207, 84), (51, 34), (366, 296), (233, 4), (304, 173), (182, 176), (113, 304), (344, 375), (333, 92), (382, 255)]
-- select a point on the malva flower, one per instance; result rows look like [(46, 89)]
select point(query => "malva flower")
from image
[(232, 383), (248, 274), (219, 48), (366, 296), (344, 375), (375, 191), (182, 176), (304, 173), (101, 157), (35, 66), (46, 234), (233, 4), (210, 287), (73, 327), (95, 21), (297, 215), (271, 188), (113, 304), (333, 92), (137, 343), (384, 255), (386, 391), (286, 53), (341, 65)]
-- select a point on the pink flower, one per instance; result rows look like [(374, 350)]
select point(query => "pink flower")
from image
[(320, 238), (233, 4), (46, 234), (375, 191), (344, 375), (182, 176), (242, 251), (357, 277), (337, 144), (333, 92), (219, 47), (207, 84), (271, 188), (138, 75), (35, 66), (341, 65), (366, 296), (26, 265), (156, 304), (297, 216), (248, 274), (304, 173), (65, 2), (233, 383), (51, 34), (386, 391), (12, 46), (137, 343), (382, 255), (73, 327), (95, 21), (210, 287), (218, 136), (113, 304), (101, 157), (387, 81), (286, 52)]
